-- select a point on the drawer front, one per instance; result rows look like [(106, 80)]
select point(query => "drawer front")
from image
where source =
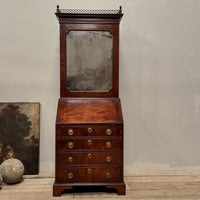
[(73, 131), (92, 158), (81, 144), (89, 174)]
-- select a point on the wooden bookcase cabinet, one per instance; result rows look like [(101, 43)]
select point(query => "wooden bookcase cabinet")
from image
[(89, 122)]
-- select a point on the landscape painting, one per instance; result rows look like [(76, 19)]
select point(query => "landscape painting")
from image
[(20, 133)]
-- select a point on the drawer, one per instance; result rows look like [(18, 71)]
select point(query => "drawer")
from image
[(73, 131), (92, 158), (89, 174), (81, 144)]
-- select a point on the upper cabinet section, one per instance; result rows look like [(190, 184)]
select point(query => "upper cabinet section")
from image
[(89, 52)]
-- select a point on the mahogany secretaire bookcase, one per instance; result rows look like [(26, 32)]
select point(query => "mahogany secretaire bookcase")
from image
[(89, 123)]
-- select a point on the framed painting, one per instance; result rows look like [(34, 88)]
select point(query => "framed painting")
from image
[(20, 133)]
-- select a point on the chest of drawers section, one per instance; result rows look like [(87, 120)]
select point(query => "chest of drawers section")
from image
[(89, 154), (89, 144)]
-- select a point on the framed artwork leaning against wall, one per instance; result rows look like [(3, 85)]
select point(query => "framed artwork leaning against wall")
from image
[(20, 133)]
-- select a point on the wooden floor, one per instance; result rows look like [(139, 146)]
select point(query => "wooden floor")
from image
[(148, 187)]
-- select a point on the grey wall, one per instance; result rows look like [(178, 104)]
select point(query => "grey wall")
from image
[(159, 75)]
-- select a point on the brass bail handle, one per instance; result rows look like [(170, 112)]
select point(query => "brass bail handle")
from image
[(70, 145), (108, 175), (89, 142), (89, 155), (70, 159), (108, 144), (70, 175), (108, 159), (108, 131), (70, 131), (89, 171), (89, 130)]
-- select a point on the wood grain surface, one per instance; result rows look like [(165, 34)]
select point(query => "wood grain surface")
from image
[(162, 185), (89, 111)]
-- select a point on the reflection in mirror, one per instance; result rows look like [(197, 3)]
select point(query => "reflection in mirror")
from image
[(89, 61)]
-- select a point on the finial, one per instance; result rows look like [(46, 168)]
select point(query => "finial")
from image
[(58, 8), (120, 9)]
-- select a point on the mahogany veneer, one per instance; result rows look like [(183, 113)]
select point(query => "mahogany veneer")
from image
[(89, 111), (86, 152), (89, 125)]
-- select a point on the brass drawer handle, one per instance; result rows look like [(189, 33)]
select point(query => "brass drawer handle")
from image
[(70, 175), (70, 145), (89, 142), (108, 131), (89, 171), (70, 159), (70, 132), (89, 130), (108, 159), (108, 175), (89, 155), (108, 144)]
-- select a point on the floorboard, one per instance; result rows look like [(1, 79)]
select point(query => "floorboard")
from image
[(142, 187)]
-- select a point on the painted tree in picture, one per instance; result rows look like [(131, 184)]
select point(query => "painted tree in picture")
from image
[(19, 134)]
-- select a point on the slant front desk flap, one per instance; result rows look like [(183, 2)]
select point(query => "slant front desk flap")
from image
[(89, 111)]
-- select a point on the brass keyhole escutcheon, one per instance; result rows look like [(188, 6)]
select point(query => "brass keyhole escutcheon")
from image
[(108, 159), (89, 155), (108, 144), (70, 145), (108, 131), (70, 131), (70, 159), (89, 142), (89, 130), (70, 175), (108, 175), (89, 171)]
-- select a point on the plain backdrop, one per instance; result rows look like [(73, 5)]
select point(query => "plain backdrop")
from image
[(159, 75)]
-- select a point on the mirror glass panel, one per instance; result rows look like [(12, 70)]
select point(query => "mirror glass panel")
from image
[(89, 57)]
